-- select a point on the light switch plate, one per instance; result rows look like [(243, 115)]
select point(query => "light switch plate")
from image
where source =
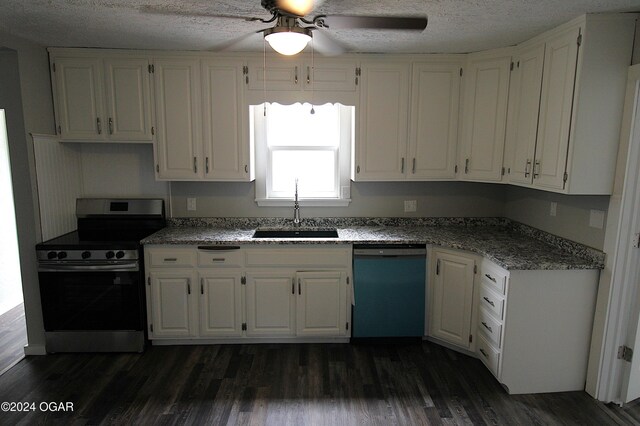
[(410, 206), (191, 204), (596, 219)]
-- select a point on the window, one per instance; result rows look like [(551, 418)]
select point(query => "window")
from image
[(292, 142)]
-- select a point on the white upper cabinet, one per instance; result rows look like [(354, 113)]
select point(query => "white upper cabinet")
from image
[(381, 136), (224, 119), (486, 92), (433, 138), (524, 103), (177, 90), (102, 98)]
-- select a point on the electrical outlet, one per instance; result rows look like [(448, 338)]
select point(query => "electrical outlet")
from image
[(596, 219), (191, 204), (410, 206), (553, 208)]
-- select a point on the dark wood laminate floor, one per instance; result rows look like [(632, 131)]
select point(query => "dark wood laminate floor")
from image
[(13, 337), (297, 384)]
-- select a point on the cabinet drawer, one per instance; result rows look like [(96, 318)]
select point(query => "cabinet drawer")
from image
[(494, 277), (489, 355), (490, 300), (299, 258), (491, 327), (220, 257), (171, 257)]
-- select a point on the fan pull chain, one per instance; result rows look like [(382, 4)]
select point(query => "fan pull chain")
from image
[(264, 76)]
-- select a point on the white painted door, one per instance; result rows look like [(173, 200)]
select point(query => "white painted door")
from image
[(79, 98), (226, 149), (128, 99), (220, 303), (554, 125), (484, 117), (434, 121), (172, 307), (452, 298), (271, 303), (522, 119), (321, 304), (178, 110), (381, 146)]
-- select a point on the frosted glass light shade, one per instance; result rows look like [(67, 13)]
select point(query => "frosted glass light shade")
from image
[(288, 42)]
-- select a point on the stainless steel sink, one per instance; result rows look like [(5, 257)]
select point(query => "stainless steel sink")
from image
[(295, 233)]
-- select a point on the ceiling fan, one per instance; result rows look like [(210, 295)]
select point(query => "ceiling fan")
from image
[(293, 29)]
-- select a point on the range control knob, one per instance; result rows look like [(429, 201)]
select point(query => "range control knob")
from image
[(62, 255), (110, 254), (52, 255), (119, 254), (86, 254)]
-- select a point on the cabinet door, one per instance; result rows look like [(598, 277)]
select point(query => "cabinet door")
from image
[(79, 98), (128, 99), (279, 74), (172, 307), (321, 304), (177, 84), (332, 75), (270, 304), (484, 117), (381, 146), (434, 121), (226, 149), (220, 304), (524, 105), (556, 103), (451, 298)]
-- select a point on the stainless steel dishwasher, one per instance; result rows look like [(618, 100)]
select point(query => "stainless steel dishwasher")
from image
[(389, 284)]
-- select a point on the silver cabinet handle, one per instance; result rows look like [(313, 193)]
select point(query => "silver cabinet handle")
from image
[(308, 75), (466, 166), (188, 286), (218, 259), (536, 169), (99, 124), (246, 168), (195, 164), (402, 165), (296, 76), (484, 353), (413, 167), (491, 278), (170, 259), (526, 168), (299, 287), (293, 286), (487, 327), (201, 285), (206, 165), (110, 125), (438, 267), (489, 301)]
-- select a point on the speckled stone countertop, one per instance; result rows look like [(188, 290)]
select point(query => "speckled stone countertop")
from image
[(512, 245)]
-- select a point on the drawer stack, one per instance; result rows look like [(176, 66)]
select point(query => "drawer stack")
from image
[(492, 301)]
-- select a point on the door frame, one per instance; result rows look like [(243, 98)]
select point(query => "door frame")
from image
[(615, 295)]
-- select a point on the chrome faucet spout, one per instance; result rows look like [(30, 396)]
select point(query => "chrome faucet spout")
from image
[(296, 209)]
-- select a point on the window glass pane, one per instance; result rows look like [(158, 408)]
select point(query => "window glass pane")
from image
[(294, 125), (315, 171)]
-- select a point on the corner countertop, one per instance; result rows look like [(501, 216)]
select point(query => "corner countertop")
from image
[(511, 247)]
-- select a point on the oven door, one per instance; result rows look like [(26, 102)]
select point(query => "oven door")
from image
[(91, 297)]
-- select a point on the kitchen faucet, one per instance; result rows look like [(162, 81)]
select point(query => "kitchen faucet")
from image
[(296, 209)]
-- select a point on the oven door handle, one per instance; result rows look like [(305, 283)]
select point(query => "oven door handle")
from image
[(111, 267)]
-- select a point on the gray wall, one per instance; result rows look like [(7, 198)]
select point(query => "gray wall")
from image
[(532, 207), (25, 92)]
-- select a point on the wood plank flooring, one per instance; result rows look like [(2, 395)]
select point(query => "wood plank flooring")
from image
[(13, 337), (292, 384)]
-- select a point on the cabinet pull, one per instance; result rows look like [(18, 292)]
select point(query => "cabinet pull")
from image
[(491, 278), (201, 285), (484, 353), (246, 168), (413, 167), (99, 124), (536, 169), (526, 168), (466, 166), (296, 76), (402, 165), (170, 259), (293, 286), (195, 164), (188, 286), (218, 248), (218, 259), (110, 125), (299, 287), (308, 75), (487, 327), (206, 165), (489, 301), (438, 267)]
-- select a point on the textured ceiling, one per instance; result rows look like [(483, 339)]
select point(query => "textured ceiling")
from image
[(454, 25)]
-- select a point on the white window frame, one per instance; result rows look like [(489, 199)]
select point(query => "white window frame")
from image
[(263, 159)]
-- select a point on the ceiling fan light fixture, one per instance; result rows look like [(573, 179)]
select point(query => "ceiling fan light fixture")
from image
[(288, 40)]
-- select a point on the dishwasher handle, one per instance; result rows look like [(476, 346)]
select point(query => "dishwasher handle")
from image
[(389, 252)]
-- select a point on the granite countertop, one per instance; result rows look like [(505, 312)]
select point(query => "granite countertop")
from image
[(511, 246)]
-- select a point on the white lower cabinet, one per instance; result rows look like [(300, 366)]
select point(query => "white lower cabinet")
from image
[(232, 292)]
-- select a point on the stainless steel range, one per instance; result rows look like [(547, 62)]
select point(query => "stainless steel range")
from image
[(92, 279)]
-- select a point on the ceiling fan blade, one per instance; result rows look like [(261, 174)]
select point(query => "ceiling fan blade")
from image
[(295, 7), (174, 11), (326, 45), (237, 42), (344, 22)]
